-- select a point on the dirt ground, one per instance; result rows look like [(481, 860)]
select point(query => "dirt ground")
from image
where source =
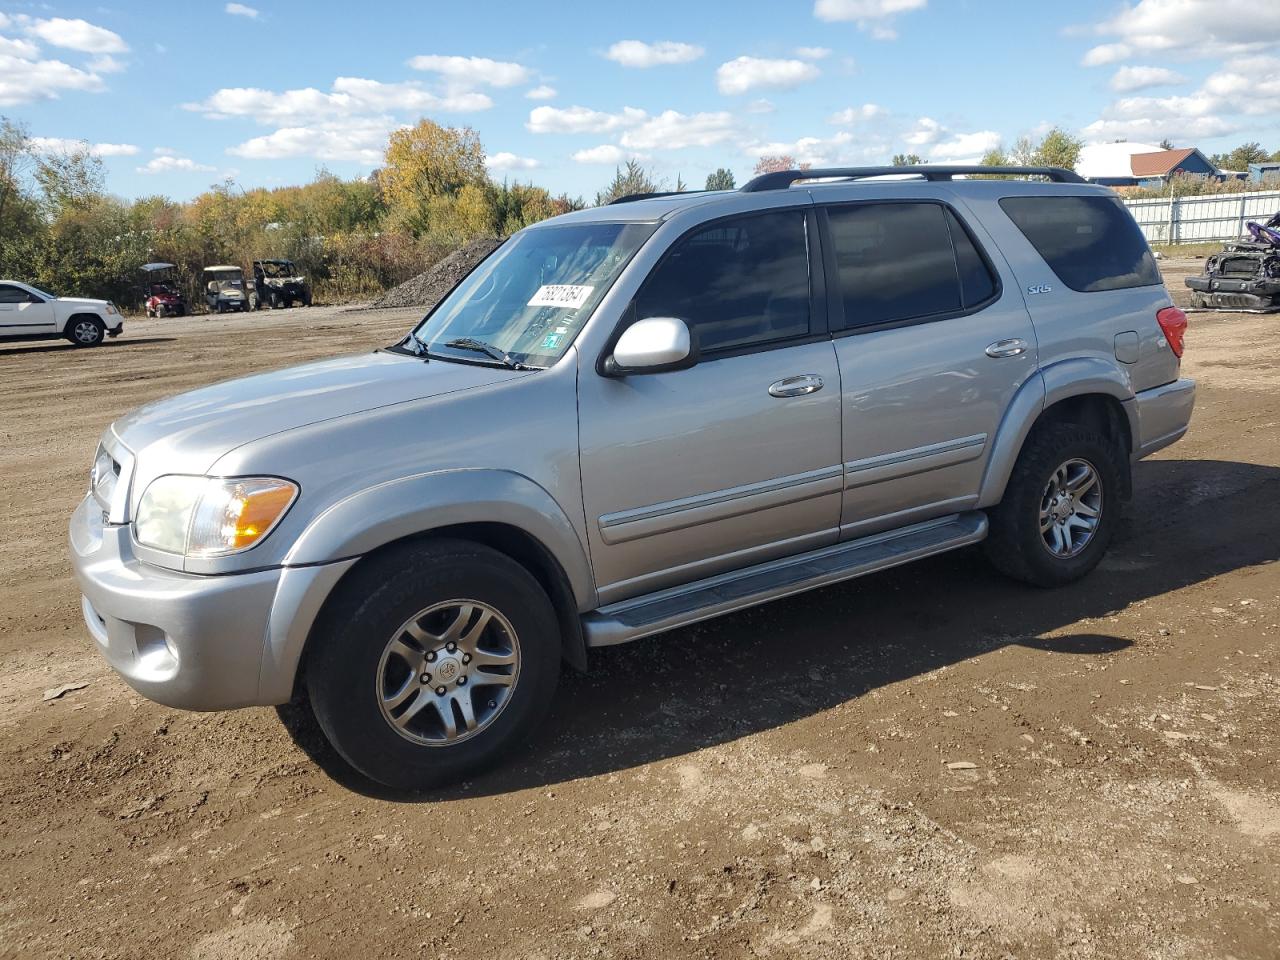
[(929, 763)]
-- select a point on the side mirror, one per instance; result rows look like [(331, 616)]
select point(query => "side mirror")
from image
[(653, 345), (212, 286)]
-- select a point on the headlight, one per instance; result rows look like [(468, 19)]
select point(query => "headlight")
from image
[(211, 516), (111, 308)]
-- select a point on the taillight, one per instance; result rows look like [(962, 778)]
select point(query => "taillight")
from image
[(1174, 324)]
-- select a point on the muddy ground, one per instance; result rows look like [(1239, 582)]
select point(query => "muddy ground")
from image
[(775, 784)]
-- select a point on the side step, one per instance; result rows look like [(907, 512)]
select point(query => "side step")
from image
[(690, 603)]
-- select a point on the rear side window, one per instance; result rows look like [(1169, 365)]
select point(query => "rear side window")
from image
[(739, 282), (1091, 243), (904, 261), (10, 294)]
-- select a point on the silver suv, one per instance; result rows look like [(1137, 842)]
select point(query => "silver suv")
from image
[(626, 420)]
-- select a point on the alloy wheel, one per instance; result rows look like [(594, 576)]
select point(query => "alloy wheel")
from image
[(1070, 508)]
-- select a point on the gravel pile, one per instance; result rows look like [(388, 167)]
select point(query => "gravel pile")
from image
[(432, 284)]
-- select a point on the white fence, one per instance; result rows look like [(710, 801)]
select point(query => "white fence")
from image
[(1201, 219)]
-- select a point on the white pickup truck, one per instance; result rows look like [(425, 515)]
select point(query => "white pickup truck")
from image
[(28, 313)]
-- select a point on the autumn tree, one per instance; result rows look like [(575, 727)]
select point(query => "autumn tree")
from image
[(1058, 149), (778, 163), (906, 160), (722, 179), (428, 162)]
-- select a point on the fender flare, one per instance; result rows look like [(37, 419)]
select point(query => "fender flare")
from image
[(1060, 381), (400, 508)]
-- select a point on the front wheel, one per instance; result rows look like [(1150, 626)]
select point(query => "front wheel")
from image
[(87, 331), (1059, 509), (433, 662)]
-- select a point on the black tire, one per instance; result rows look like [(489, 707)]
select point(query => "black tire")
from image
[(273, 301), (344, 659), (1015, 544), (86, 331)]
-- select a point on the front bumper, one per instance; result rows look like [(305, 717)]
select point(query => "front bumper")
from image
[(1253, 286), (189, 641), (1164, 413)]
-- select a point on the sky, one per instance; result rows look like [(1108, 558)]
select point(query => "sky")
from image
[(178, 96)]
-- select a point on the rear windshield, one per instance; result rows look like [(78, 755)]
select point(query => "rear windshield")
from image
[(1091, 243)]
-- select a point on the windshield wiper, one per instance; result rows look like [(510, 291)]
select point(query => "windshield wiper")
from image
[(479, 346)]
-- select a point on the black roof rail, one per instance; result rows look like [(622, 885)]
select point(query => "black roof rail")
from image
[(785, 178), (632, 197)]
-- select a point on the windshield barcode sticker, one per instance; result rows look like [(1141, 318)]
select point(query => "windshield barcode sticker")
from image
[(566, 295)]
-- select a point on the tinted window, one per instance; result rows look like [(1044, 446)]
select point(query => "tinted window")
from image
[(10, 294), (1091, 243), (739, 282), (977, 285), (895, 261)]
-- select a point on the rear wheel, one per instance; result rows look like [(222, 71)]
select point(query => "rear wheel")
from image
[(86, 331), (433, 662), (1056, 519)]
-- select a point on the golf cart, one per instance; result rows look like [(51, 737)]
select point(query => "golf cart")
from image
[(224, 289), (278, 284), (161, 294)]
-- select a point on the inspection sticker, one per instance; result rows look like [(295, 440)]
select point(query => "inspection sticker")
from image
[(566, 295)]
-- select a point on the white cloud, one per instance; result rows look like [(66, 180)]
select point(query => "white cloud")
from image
[(23, 80), (606, 153), (362, 141), (964, 145), (874, 16), (167, 163), (636, 53), (350, 96), (850, 115), (1106, 53), (762, 105), (814, 151), (542, 92), (813, 53), (581, 120), (66, 145), (927, 130), (1234, 98), (1196, 28), (671, 130), (240, 10), (77, 35), (107, 64), (750, 73), (473, 71), (22, 49), (1128, 79), (509, 161)]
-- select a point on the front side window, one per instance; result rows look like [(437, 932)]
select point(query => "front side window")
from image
[(739, 282), (10, 294), (528, 299), (1091, 243), (896, 261)]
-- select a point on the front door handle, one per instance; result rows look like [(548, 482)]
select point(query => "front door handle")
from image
[(1007, 348), (796, 386)]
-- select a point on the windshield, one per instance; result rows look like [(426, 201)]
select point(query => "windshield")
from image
[(532, 295), (277, 269)]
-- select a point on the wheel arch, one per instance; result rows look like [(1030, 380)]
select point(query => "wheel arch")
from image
[(1088, 391), (81, 315)]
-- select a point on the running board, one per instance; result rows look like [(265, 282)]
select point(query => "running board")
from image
[(690, 603)]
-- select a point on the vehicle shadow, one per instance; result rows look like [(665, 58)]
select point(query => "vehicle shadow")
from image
[(765, 667), (60, 346)]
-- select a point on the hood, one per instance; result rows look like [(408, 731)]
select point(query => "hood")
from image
[(87, 301), (189, 432)]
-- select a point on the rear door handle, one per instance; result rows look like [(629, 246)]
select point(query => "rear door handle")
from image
[(796, 386), (1007, 348)]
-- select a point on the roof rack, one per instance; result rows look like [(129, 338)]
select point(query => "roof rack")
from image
[(785, 178), (632, 197)]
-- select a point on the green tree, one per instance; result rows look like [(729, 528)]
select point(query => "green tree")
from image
[(1058, 149), (907, 160), (1243, 155), (70, 179), (1166, 144), (995, 157), (633, 178), (722, 179)]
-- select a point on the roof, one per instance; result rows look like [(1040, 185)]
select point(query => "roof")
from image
[(1159, 163), (157, 266), (1110, 160), (224, 267)]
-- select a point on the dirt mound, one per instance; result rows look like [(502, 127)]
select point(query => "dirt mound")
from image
[(432, 284)]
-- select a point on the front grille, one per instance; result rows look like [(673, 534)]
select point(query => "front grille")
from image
[(1245, 267)]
